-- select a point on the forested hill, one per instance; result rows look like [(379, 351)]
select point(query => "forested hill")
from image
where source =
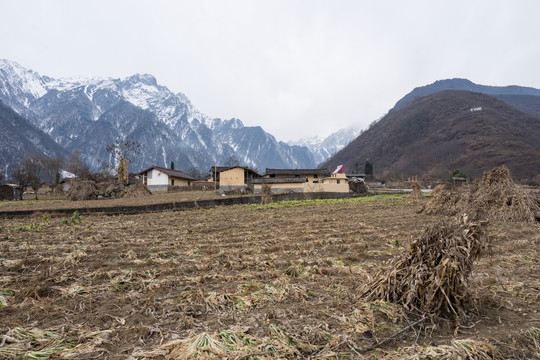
[(437, 133)]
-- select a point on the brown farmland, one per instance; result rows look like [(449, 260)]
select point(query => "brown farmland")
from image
[(279, 280)]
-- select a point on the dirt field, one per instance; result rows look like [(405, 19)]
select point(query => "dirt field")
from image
[(247, 282)]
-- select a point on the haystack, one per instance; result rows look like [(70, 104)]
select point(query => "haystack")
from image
[(266, 197), (495, 197), (416, 192), (358, 186), (137, 190), (446, 200), (58, 191), (83, 190), (431, 276)]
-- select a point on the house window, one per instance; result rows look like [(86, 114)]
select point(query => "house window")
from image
[(145, 179), (172, 182), (315, 176), (338, 181), (315, 181)]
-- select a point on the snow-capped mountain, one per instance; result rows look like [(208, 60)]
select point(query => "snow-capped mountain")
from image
[(87, 114), (324, 148)]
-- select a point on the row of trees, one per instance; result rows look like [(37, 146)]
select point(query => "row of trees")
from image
[(36, 167)]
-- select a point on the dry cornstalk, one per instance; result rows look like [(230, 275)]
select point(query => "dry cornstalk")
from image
[(431, 276)]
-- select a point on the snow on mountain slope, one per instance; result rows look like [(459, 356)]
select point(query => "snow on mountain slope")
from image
[(89, 113), (20, 86), (324, 148)]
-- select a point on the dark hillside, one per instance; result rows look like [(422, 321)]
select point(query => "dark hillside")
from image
[(438, 133), (529, 104), (18, 138)]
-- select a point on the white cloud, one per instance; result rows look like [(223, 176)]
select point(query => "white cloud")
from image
[(296, 68)]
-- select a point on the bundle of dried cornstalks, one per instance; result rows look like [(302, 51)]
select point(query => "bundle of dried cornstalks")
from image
[(445, 200), (266, 197), (416, 193), (495, 197), (431, 276)]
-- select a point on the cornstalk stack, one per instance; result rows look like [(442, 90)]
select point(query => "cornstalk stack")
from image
[(498, 198), (416, 192), (445, 200), (431, 276), (123, 174), (266, 197), (495, 197)]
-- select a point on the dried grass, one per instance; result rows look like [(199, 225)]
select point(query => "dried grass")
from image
[(431, 276), (465, 349)]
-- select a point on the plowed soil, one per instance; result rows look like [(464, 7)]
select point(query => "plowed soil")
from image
[(281, 280)]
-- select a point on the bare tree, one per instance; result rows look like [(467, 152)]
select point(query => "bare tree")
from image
[(51, 168), (125, 150), (27, 173), (77, 166)]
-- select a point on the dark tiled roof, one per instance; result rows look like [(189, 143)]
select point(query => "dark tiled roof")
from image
[(296, 172), (225, 168), (220, 168), (170, 172), (279, 180)]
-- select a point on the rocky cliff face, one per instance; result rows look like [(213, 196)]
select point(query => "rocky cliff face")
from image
[(89, 113)]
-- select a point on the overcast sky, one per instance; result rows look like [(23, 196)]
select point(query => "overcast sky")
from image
[(295, 67)]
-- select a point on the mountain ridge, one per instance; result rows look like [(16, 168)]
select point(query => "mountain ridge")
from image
[(437, 133), (171, 129), (462, 84)]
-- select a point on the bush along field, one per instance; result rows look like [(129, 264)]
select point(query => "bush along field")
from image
[(376, 277)]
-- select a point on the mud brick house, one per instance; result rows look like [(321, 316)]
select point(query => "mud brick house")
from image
[(301, 180), (231, 178)]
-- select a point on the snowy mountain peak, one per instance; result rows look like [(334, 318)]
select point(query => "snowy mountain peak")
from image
[(87, 114), (146, 79), (25, 83), (323, 148)]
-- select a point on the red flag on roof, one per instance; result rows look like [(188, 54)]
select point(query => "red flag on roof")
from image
[(339, 169)]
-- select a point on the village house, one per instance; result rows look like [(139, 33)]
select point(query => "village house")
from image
[(162, 179), (301, 180), (233, 178), (312, 175)]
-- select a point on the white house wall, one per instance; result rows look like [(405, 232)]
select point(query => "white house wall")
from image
[(156, 177)]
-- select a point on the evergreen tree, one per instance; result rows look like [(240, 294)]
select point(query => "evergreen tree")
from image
[(368, 169)]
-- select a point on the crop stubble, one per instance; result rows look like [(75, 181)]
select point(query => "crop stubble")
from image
[(287, 278)]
